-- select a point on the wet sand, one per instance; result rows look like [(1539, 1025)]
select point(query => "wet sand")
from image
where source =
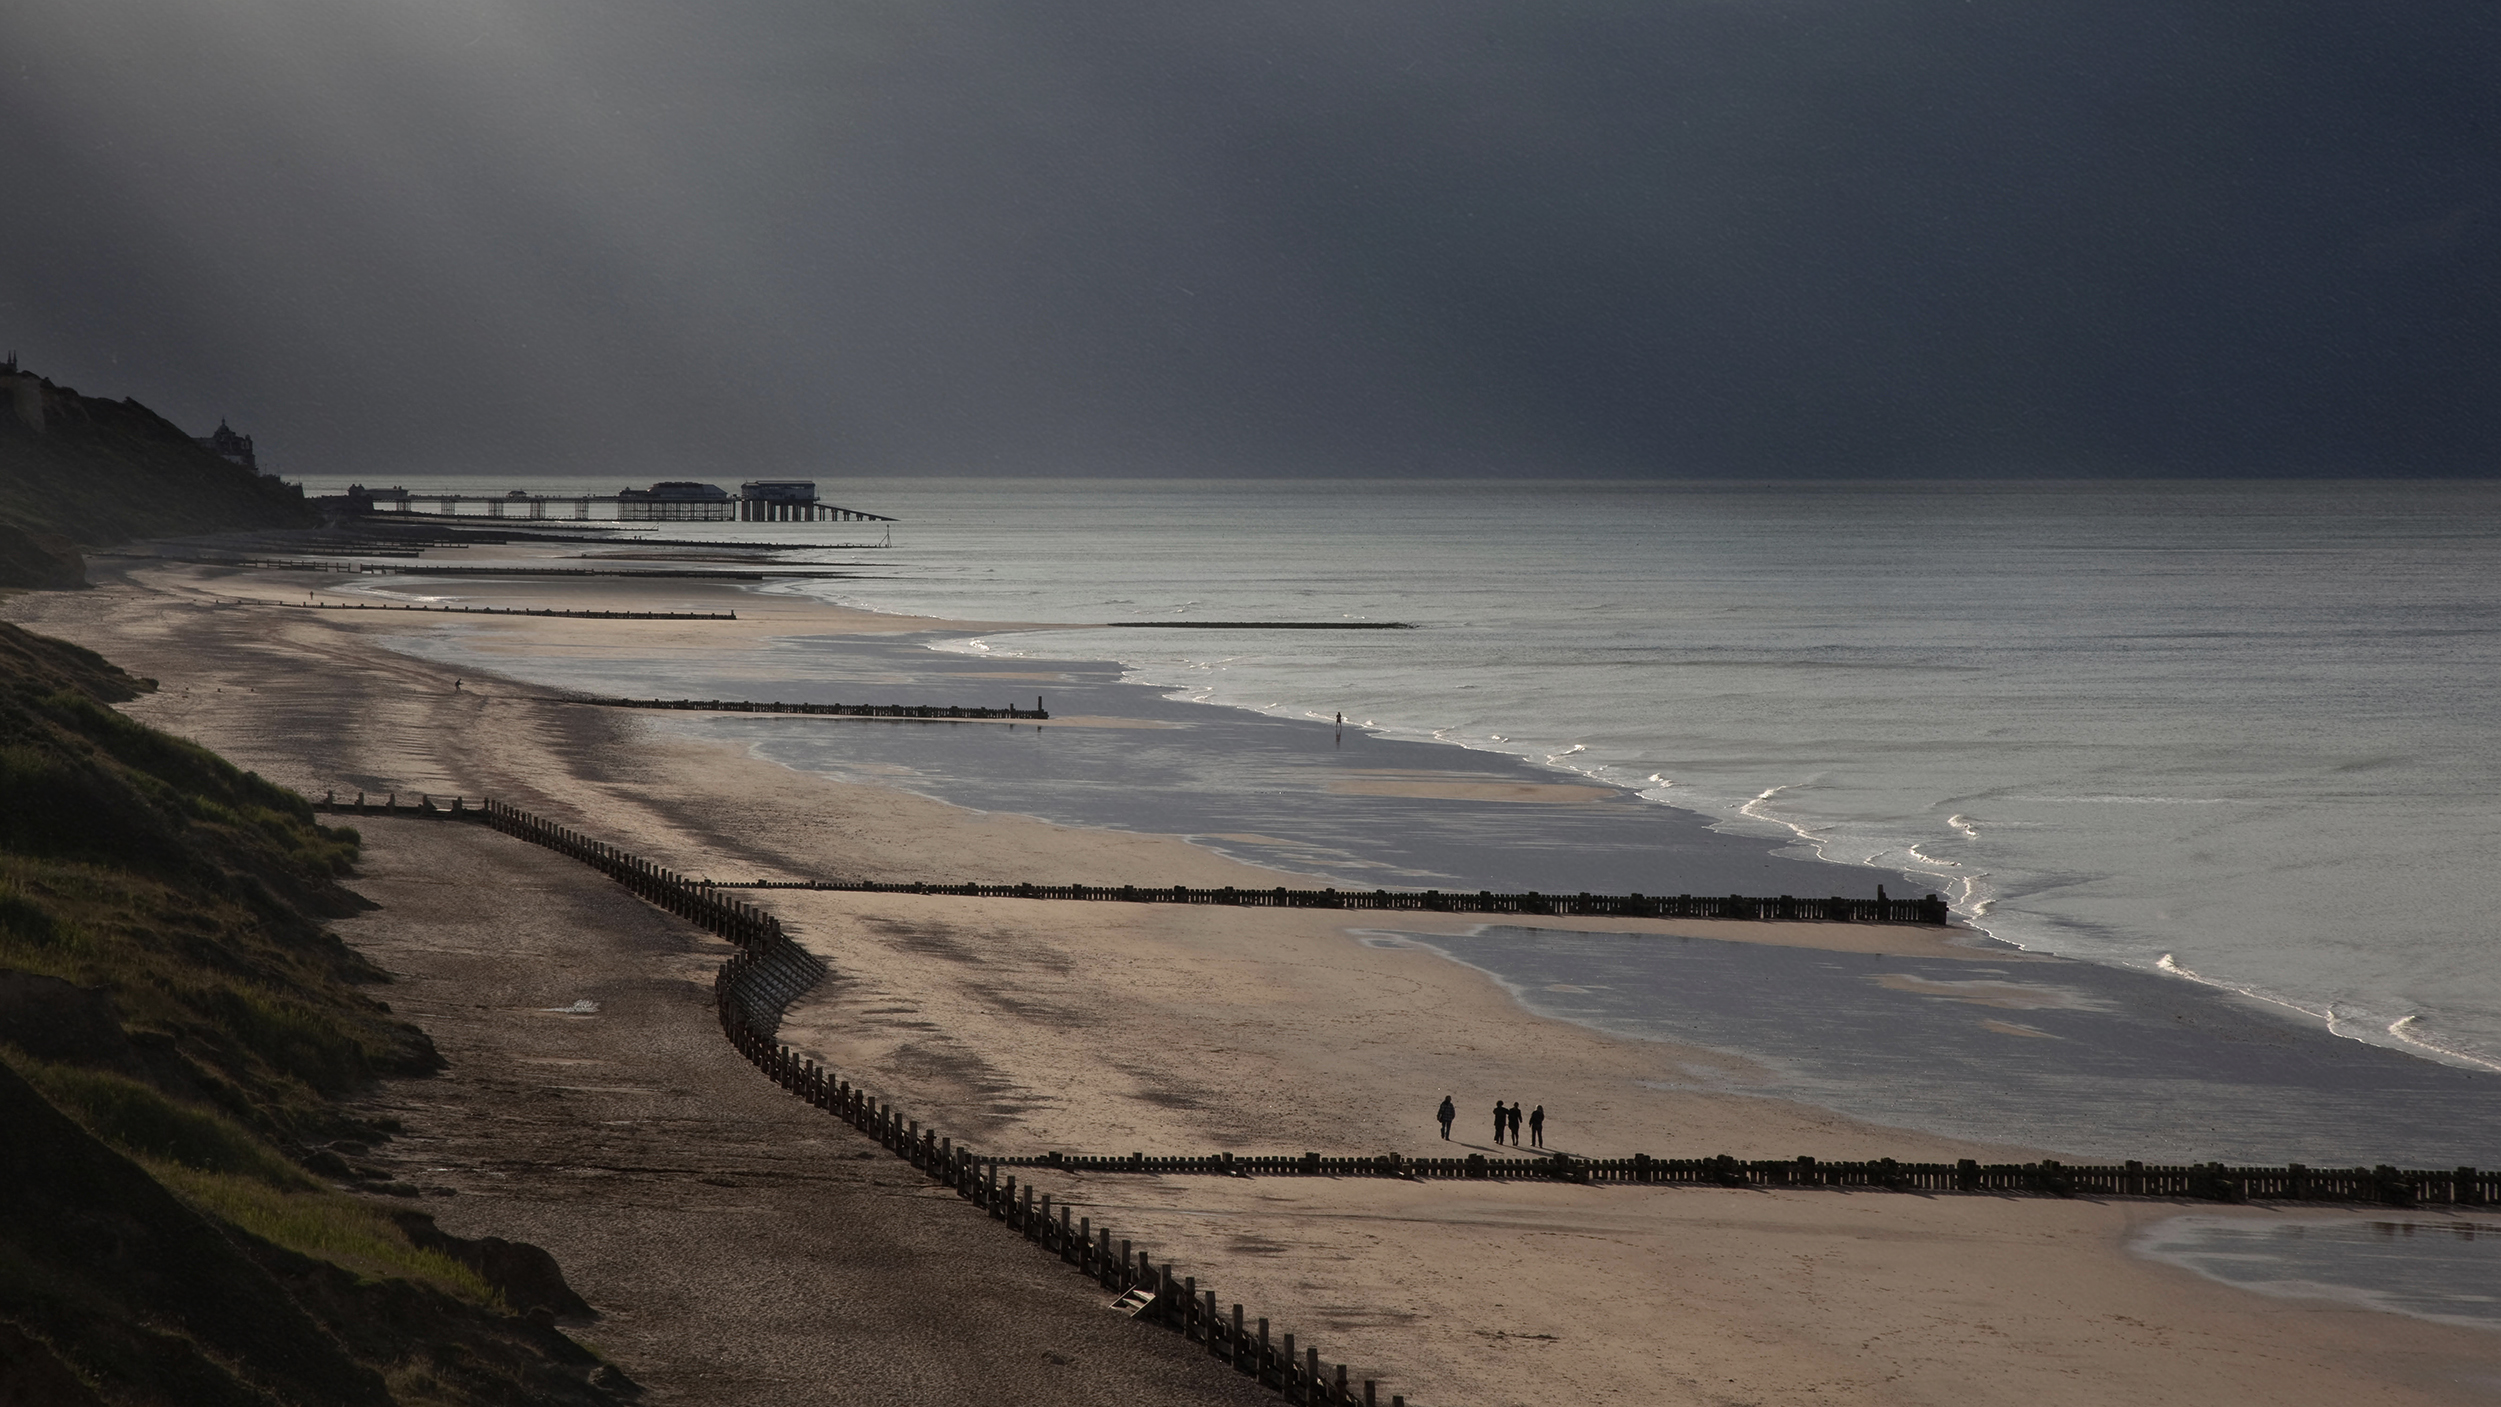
[(738, 1246), (1021, 1026)]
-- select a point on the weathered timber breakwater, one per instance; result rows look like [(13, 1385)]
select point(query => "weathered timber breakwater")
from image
[(768, 971), (2213, 1182), (489, 610), (777, 982), (1780, 909), (832, 710), (350, 568)]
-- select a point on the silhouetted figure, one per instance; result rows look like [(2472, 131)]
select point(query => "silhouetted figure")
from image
[(1448, 1114), (1513, 1119), (1879, 893), (1537, 1127), (1502, 1120)]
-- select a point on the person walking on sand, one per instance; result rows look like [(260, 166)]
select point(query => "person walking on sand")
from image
[(1502, 1120), (1513, 1118), (1448, 1114), (1537, 1127)]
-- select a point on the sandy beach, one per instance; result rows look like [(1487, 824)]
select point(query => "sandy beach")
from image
[(1021, 1026)]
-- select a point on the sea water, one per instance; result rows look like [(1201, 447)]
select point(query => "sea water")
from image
[(2243, 733), (2444, 1268), (2239, 733), (2228, 750)]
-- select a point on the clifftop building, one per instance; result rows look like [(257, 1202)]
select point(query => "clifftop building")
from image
[(226, 444)]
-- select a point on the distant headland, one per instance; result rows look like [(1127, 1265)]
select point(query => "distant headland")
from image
[(82, 472)]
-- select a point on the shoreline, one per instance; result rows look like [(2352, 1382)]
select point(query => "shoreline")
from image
[(1768, 1293), (835, 624), (824, 622), (1423, 787)]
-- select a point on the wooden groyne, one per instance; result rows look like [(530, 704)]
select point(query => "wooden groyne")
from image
[(493, 610), (836, 710), (2215, 1182), (701, 902), (463, 569), (759, 981), (1783, 908), (768, 971), (350, 568)]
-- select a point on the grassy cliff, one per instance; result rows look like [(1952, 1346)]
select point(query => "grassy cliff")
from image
[(79, 471), (177, 1032)]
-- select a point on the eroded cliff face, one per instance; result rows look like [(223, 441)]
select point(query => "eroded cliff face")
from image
[(181, 1041), (80, 471)]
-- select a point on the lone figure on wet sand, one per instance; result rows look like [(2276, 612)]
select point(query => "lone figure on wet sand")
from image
[(1537, 1127), (1448, 1114)]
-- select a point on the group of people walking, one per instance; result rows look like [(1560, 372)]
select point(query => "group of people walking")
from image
[(1506, 1121)]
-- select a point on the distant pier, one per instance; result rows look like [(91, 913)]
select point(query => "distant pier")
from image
[(671, 501)]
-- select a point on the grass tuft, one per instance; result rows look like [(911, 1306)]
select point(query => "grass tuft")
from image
[(352, 1234), (140, 1121)]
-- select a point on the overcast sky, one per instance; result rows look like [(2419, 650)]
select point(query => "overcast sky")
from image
[(1536, 237)]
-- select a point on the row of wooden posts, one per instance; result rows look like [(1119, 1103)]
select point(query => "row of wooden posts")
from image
[(758, 982), (351, 568), (501, 610), (772, 971), (768, 971), (2219, 1182), (1784, 908), (1754, 908), (842, 710)]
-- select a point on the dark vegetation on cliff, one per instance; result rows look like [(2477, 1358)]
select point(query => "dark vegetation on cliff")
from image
[(79, 471), (182, 1220)]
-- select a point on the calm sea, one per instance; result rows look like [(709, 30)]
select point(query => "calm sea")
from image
[(2243, 733)]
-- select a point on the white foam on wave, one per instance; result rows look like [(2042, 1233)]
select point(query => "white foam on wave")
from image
[(2350, 1024), (2170, 965), (2409, 1030), (2053, 887)]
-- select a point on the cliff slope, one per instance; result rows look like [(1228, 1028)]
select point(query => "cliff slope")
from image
[(79, 471), (185, 1221)]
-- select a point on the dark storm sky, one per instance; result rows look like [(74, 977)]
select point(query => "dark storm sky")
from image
[(1539, 237)]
